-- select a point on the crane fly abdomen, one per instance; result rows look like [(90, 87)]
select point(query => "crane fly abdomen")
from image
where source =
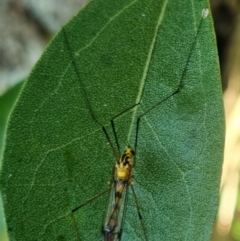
[(116, 208)]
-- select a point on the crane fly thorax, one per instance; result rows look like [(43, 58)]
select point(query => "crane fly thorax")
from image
[(124, 165)]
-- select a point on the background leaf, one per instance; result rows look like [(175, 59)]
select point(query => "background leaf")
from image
[(6, 103), (57, 157)]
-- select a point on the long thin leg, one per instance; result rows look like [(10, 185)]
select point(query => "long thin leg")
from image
[(153, 107), (87, 101), (113, 125), (175, 91), (82, 205), (139, 213)]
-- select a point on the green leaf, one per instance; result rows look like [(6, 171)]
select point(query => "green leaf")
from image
[(57, 157), (6, 103)]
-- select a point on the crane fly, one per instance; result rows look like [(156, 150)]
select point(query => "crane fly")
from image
[(112, 227), (122, 177)]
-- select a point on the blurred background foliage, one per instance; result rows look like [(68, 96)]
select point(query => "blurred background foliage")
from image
[(31, 25)]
